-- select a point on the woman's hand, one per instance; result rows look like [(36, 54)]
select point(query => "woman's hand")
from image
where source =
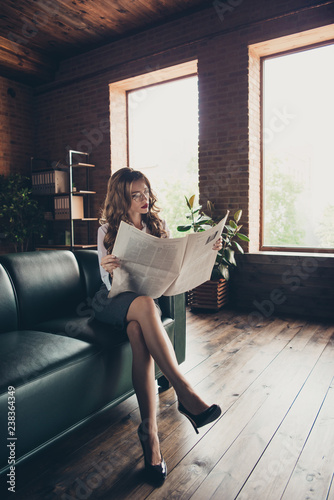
[(109, 263), (218, 245)]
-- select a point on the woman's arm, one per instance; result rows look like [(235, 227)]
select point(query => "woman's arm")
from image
[(107, 262)]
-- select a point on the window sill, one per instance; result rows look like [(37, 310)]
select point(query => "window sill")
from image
[(318, 255)]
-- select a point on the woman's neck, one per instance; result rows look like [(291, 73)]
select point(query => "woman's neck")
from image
[(137, 221)]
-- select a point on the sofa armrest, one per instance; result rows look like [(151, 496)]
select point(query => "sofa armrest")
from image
[(175, 307)]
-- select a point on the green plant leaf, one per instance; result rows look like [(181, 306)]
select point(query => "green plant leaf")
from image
[(229, 256), (225, 272), (191, 201), (210, 207), (21, 216), (216, 274), (233, 224), (224, 262), (237, 215), (188, 204), (202, 218), (182, 229), (243, 237), (239, 247), (196, 210)]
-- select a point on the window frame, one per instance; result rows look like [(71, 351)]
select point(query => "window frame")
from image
[(263, 247), (118, 111), (143, 87)]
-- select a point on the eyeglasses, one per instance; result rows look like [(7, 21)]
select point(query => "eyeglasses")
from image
[(141, 196)]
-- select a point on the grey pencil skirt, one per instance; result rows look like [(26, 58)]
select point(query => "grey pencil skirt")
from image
[(114, 310)]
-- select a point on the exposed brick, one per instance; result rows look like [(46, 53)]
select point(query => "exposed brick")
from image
[(73, 112)]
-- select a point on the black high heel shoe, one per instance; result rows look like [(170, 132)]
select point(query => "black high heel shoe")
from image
[(156, 473), (203, 418)]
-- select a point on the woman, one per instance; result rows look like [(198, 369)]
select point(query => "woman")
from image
[(130, 198)]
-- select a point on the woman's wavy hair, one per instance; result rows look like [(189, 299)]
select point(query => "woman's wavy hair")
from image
[(118, 202)]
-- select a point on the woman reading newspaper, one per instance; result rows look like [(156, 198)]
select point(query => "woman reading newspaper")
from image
[(130, 199)]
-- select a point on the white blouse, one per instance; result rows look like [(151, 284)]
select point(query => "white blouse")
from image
[(102, 251)]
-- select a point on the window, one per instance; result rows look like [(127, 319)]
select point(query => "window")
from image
[(298, 158), (163, 142)]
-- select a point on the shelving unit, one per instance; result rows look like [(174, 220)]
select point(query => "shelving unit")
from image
[(86, 192), (65, 204)]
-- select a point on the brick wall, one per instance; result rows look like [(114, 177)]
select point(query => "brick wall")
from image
[(270, 284), (16, 133), (73, 111), (16, 127)]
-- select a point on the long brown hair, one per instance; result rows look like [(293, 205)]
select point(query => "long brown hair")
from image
[(118, 202)]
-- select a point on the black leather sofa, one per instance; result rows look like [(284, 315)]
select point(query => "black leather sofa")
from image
[(62, 366)]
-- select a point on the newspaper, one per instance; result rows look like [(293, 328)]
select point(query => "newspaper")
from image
[(163, 266)]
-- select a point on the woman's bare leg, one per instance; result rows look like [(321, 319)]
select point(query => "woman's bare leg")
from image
[(143, 311), (145, 387)]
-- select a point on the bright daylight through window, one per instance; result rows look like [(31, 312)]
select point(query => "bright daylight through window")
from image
[(163, 143), (298, 159)]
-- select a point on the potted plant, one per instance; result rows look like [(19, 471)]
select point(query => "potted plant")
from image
[(213, 294), (20, 215)]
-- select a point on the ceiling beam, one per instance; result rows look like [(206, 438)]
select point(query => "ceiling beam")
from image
[(16, 57)]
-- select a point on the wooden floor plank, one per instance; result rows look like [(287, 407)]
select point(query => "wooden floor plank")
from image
[(84, 457), (272, 472), (313, 473), (213, 334), (237, 415), (330, 495), (227, 371), (267, 378), (249, 427), (237, 352), (187, 437)]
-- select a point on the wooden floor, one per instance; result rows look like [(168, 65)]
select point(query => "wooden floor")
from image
[(274, 439)]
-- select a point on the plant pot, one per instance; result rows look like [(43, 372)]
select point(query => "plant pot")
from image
[(211, 295)]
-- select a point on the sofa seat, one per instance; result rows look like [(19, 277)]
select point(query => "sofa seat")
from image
[(28, 355), (53, 376)]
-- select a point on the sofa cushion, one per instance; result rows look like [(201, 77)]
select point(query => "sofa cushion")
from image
[(48, 284), (84, 328), (27, 355), (93, 331), (59, 382), (8, 310)]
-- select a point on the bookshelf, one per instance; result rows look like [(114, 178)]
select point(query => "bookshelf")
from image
[(80, 160), (66, 198)]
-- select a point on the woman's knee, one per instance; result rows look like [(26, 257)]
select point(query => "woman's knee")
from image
[(143, 305), (136, 338), (133, 330)]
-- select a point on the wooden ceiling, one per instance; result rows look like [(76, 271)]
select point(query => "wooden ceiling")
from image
[(36, 34)]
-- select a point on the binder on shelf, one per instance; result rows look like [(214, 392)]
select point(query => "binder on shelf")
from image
[(62, 207), (50, 182)]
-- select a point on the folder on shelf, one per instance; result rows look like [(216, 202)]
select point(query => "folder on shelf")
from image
[(50, 182)]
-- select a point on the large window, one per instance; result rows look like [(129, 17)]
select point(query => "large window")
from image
[(298, 157), (163, 142)]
